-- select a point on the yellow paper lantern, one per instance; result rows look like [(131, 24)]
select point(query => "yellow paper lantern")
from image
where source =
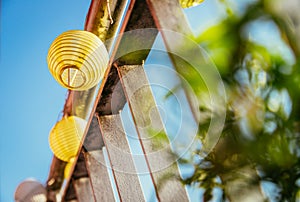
[(65, 137), (77, 59)]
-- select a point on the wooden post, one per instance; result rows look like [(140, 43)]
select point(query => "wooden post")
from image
[(128, 184), (83, 190), (95, 164), (102, 188), (161, 163)]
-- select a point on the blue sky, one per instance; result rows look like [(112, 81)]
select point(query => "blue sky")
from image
[(31, 99)]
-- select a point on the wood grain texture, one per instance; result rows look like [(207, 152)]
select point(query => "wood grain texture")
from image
[(99, 176), (93, 140), (161, 162), (139, 21), (126, 178), (176, 32), (169, 15), (70, 193), (83, 190)]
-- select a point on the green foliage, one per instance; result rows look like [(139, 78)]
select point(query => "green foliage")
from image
[(262, 122)]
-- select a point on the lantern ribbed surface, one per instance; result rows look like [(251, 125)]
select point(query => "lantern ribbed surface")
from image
[(77, 59), (65, 137), (30, 191)]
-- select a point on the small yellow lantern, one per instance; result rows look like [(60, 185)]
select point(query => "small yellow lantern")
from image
[(65, 137), (77, 59)]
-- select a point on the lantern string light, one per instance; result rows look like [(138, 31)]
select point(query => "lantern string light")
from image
[(109, 12)]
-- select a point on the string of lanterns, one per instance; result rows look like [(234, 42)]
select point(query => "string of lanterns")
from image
[(77, 60)]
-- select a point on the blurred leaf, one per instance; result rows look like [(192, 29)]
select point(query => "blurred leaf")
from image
[(262, 124)]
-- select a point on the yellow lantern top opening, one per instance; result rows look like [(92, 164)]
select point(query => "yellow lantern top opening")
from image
[(72, 77)]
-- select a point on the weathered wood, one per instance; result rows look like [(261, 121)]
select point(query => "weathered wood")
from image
[(78, 189), (173, 26), (55, 178), (169, 15), (83, 190), (193, 66), (99, 176), (70, 193), (127, 181), (80, 169), (93, 140), (156, 146), (138, 39), (133, 48)]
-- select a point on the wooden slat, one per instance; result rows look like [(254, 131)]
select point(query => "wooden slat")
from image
[(173, 26), (80, 169), (112, 97), (78, 188), (192, 65), (139, 36), (93, 140), (95, 164), (127, 182), (99, 176), (162, 165), (83, 190), (55, 178), (71, 194)]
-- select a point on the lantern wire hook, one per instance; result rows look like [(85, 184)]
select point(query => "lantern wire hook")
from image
[(109, 12)]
